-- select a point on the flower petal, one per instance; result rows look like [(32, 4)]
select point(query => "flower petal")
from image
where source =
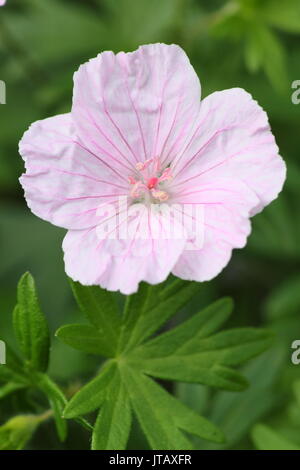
[(89, 262), (120, 264), (233, 140), (226, 204), (64, 182), (153, 267), (206, 264), (231, 199), (135, 106), (84, 260)]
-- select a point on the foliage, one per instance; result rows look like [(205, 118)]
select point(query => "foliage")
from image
[(246, 43), (190, 352), (32, 333)]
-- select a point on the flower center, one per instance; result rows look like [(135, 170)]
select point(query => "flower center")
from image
[(149, 181)]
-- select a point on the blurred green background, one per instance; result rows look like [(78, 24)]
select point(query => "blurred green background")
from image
[(254, 44)]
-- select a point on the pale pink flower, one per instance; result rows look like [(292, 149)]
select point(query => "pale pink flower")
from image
[(2, 2), (138, 128)]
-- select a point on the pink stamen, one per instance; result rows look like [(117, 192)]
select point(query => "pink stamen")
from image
[(140, 166), (132, 180), (138, 189), (142, 183), (156, 162), (166, 176), (152, 182), (160, 195)]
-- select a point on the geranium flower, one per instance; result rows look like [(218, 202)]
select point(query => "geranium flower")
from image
[(138, 129), (2, 2)]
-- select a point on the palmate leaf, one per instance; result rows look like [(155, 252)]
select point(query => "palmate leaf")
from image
[(113, 423), (92, 395), (158, 427), (215, 376), (230, 347), (148, 309), (99, 307), (203, 360), (199, 326), (85, 338), (169, 410), (193, 352)]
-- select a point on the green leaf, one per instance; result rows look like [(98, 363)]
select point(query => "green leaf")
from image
[(265, 438), (147, 311), (184, 418), (158, 426), (229, 347), (190, 371), (191, 352), (57, 402), (202, 360), (135, 305), (30, 325), (92, 395), (138, 304), (113, 423), (193, 330), (108, 391), (100, 308), (85, 338)]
